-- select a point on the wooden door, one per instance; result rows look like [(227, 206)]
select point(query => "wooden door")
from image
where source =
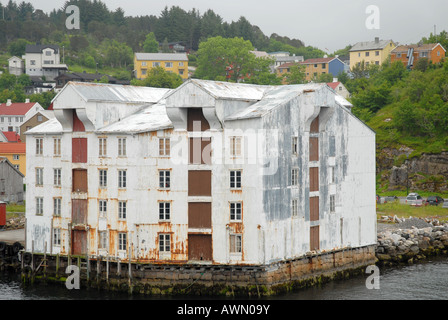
[(79, 211), (79, 180), (314, 238), (200, 247), (199, 183), (79, 242), (199, 215)]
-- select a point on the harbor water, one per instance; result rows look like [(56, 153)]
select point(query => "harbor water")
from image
[(422, 281)]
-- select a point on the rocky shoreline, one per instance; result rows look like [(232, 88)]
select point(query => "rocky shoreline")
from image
[(409, 240)]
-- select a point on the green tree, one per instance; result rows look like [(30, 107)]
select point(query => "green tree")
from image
[(296, 75), (222, 58), (150, 44), (158, 77), (17, 47)]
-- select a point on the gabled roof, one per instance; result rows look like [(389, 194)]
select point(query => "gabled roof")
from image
[(333, 85), (114, 93), (12, 147), (37, 48), (6, 161), (370, 45), (418, 48), (161, 56), (11, 136), (288, 65), (318, 60), (52, 126), (15, 109)]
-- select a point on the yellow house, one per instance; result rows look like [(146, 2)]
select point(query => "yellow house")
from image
[(171, 62), (371, 52), (15, 152)]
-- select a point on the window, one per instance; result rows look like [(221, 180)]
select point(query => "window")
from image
[(235, 243), (39, 146), (332, 203), (438, 53), (57, 146), (143, 72), (235, 179), (235, 211), (181, 64), (102, 148), (164, 210), (235, 146), (164, 146), (377, 63), (424, 54), (181, 72), (165, 242), (331, 173), (295, 177), (56, 237), (39, 176), (294, 208), (39, 206), (143, 63), (2, 119), (398, 55), (121, 178), (377, 53), (33, 62), (57, 176), (57, 207), (122, 210), (367, 54), (121, 147), (156, 64), (15, 157), (17, 119), (16, 166), (103, 178), (359, 54), (168, 64), (48, 53), (102, 235), (122, 241), (315, 66), (323, 65), (102, 204), (164, 179), (39, 118)]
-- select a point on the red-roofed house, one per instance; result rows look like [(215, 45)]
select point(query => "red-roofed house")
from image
[(13, 115), (9, 136), (339, 88), (15, 153), (434, 52)]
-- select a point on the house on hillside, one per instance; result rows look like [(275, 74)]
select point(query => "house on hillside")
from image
[(315, 67), (210, 173), (40, 117), (16, 66), (339, 88), (9, 136), (43, 61), (434, 52), (11, 182), (14, 114), (371, 52), (15, 152), (171, 62)]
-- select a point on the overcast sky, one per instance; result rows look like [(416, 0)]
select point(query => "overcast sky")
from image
[(327, 24)]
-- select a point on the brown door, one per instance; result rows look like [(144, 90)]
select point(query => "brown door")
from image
[(199, 215), (196, 120), (314, 148), (77, 124), (314, 179), (200, 151), (199, 183), (79, 150), (314, 127), (314, 238), (79, 180), (79, 242), (314, 208), (79, 211), (200, 247)]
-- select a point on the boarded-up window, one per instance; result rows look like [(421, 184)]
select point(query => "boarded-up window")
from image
[(314, 127), (79, 150), (79, 211), (79, 242), (200, 151), (79, 180), (314, 208), (314, 238), (199, 215), (314, 179), (77, 124), (199, 183), (200, 247), (314, 148), (196, 120)]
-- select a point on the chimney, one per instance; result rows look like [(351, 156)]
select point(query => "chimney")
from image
[(27, 100), (377, 40), (8, 102)]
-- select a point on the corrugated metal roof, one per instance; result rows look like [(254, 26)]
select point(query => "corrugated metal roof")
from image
[(161, 56), (370, 45), (116, 92), (51, 126), (151, 118), (273, 98)]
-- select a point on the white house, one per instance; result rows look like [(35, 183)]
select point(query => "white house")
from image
[(208, 173), (16, 66), (43, 61), (14, 114)]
